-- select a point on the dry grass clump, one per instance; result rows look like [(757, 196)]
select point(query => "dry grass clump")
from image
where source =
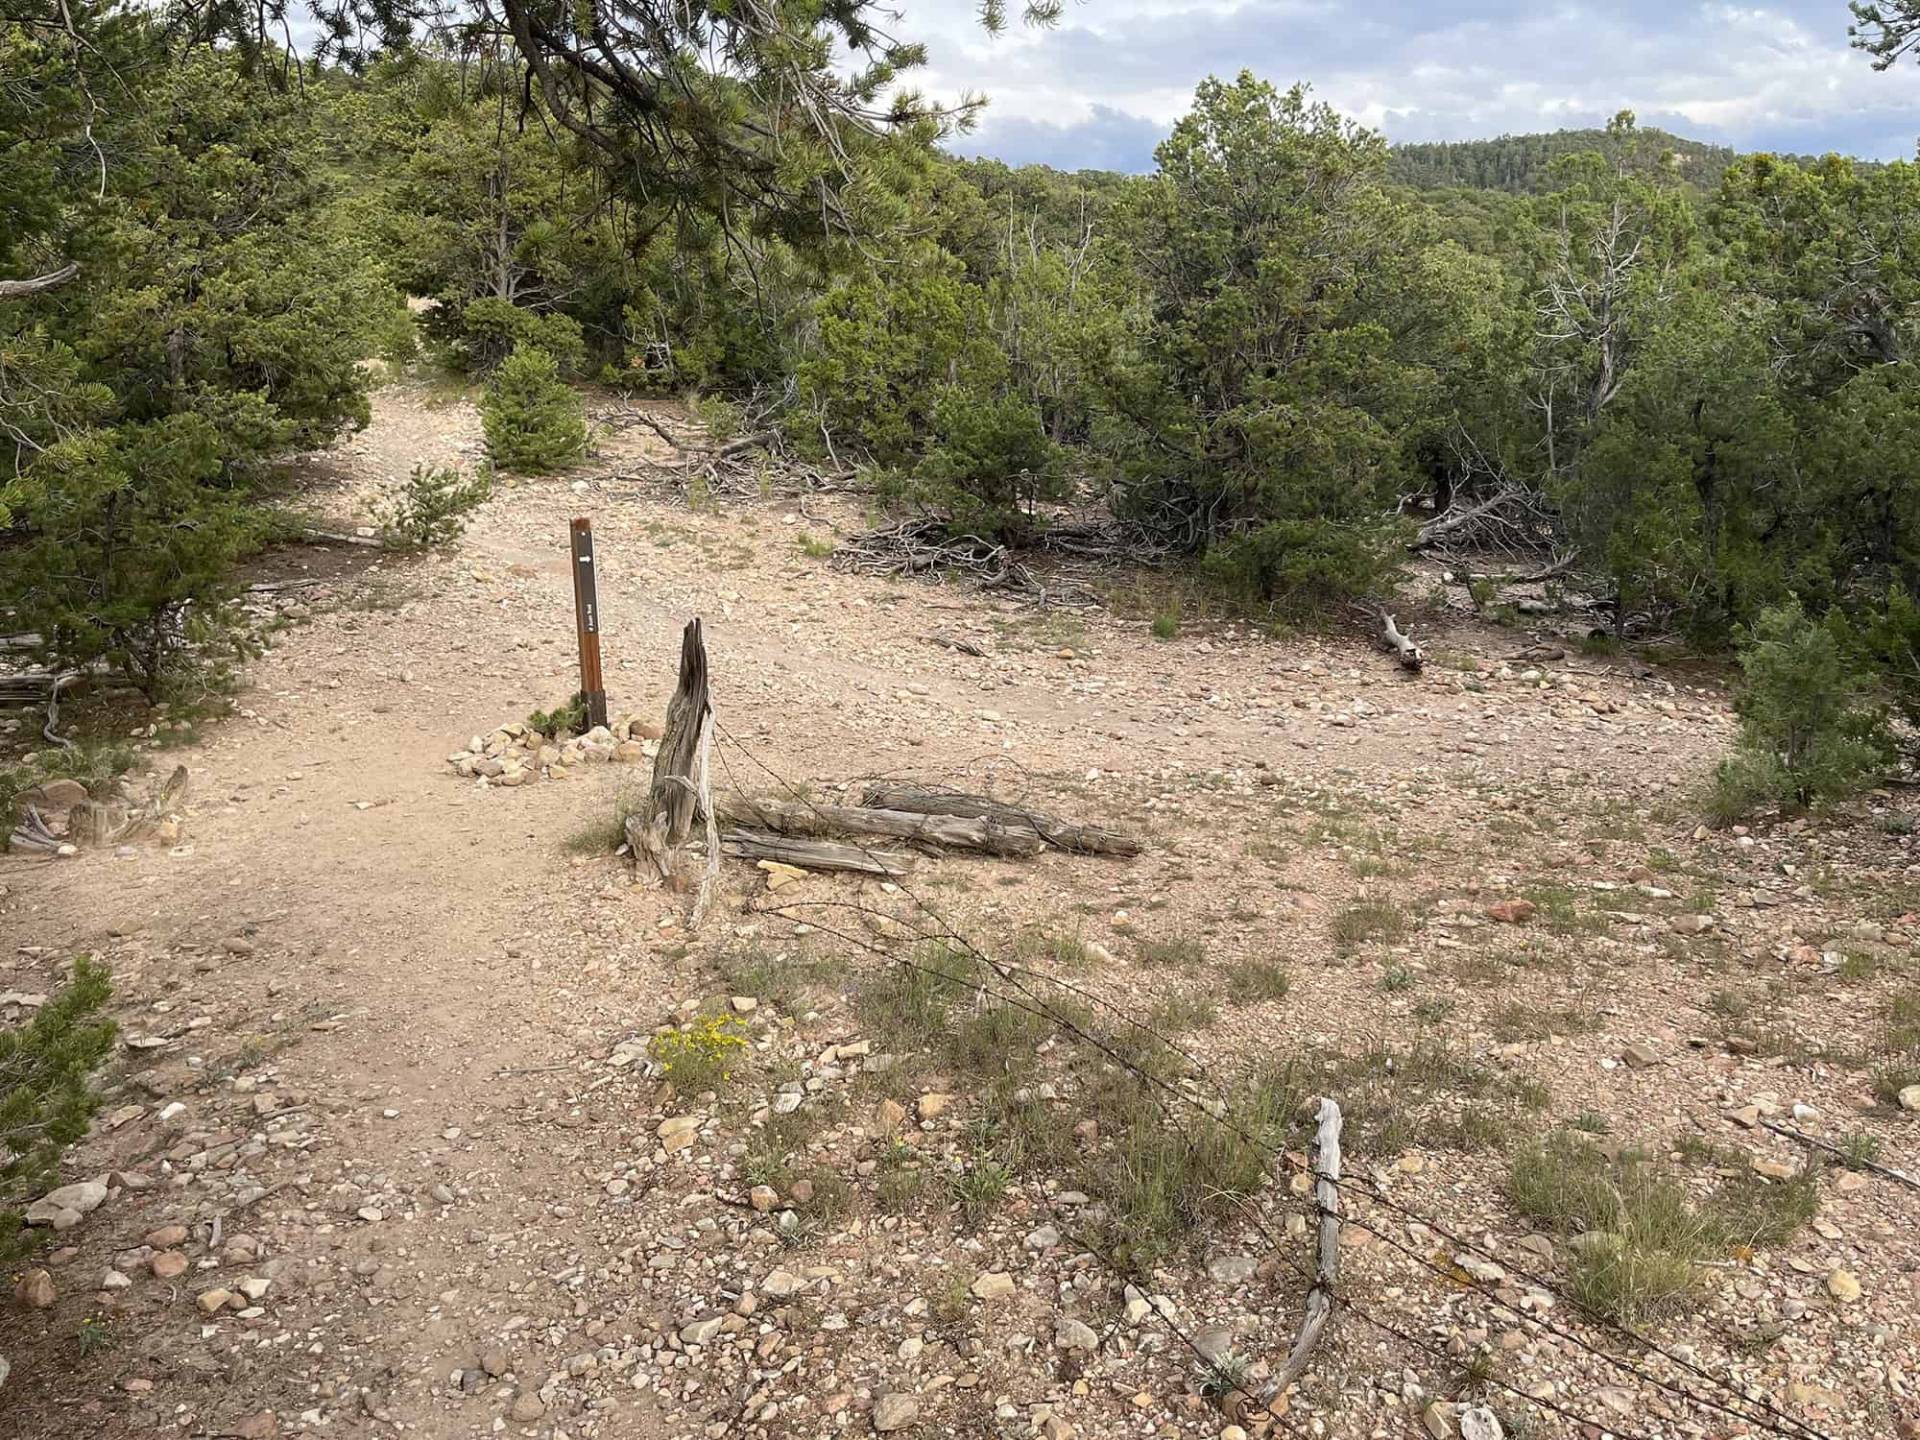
[(1638, 1238)]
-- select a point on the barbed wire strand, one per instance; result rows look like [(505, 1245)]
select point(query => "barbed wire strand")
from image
[(950, 933)]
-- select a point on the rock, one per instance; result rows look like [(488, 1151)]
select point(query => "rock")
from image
[(783, 1283), (1691, 924), (1639, 1055), (212, 1302), (1044, 1237), (1910, 1097), (35, 1290), (168, 1265), (261, 1425), (1512, 912), (780, 876), (1480, 1423), (699, 1332), (114, 1280), (994, 1285), (932, 1107), (495, 1363), (1772, 1169), (1072, 1334), (894, 1411), (889, 1116), (1843, 1286), (678, 1132), (526, 1408), (81, 1199), (1437, 1420), (1214, 1342), (1232, 1269), (166, 1237), (1054, 1428), (763, 1198), (1617, 1398)]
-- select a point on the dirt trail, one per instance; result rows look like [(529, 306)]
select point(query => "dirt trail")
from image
[(400, 1096)]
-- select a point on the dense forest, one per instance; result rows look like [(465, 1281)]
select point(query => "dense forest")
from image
[(1689, 386), (1523, 164)]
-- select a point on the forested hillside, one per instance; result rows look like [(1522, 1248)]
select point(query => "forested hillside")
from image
[(1523, 164), (1690, 386)]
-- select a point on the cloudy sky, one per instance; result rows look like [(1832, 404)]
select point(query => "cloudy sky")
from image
[(1101, 88)]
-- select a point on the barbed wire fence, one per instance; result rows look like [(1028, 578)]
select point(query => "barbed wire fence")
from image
[(1000, 981)]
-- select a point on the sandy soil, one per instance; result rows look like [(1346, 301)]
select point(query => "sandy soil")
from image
[(393, 1005)]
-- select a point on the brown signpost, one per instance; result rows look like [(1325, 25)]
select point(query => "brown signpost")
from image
[(586, 609)]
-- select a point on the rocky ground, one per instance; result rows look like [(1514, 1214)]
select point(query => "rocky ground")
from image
[(401, 1137)]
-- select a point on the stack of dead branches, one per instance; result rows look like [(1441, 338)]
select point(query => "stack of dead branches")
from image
[(752, 462), (1513, 520), (924, 546), (1107, 539)]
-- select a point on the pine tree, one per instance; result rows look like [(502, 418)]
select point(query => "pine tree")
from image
[(533, 419), (46, 1098)]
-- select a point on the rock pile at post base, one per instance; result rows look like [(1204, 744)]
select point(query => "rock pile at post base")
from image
[(516, 753)]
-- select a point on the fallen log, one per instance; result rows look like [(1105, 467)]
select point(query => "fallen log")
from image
[(1061, 834), (991, 835), (1408, 652), (314, 535), (739, 844)]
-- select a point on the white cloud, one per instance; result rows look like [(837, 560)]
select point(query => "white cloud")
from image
[(1116, 73)]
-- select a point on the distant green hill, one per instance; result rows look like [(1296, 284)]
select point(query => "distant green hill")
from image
[(1518, 164)]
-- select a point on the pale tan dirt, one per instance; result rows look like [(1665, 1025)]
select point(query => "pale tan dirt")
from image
[(376, 978)]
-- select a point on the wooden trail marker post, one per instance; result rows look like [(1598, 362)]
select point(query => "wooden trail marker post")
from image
[(586, 609)]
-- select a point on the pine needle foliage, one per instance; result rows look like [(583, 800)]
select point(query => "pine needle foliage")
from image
[(46, 1091)]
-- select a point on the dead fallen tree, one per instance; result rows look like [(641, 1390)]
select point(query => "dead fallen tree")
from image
[(741, 465), (1404, 649), (740, 844), (1061, 834), (96, 824), (986, 834), (923, 546), (797, 832), (1513, 518)]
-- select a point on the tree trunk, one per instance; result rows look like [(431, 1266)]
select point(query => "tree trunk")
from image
[(665, 819)]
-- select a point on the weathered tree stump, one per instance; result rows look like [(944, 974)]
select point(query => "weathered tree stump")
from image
[(678, 795)]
